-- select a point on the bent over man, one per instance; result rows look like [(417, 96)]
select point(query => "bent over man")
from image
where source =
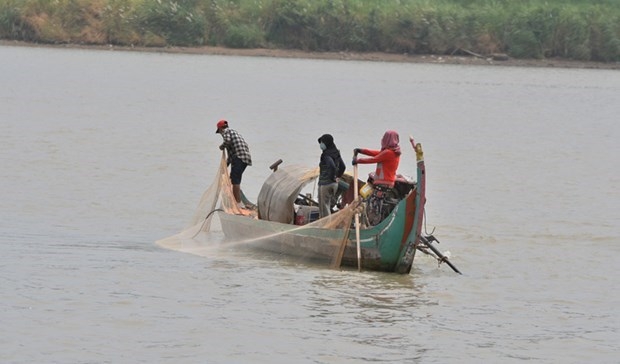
[(238, 156)]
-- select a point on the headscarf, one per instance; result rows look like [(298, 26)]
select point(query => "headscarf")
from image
[(328, 140), (390, 141)]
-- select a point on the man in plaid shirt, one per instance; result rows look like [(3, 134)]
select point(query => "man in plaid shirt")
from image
[(238, 156)]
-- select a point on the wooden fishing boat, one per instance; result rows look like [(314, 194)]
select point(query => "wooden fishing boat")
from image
[(389, 245)]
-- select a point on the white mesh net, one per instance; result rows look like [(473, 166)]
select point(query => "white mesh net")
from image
[(326, 237)]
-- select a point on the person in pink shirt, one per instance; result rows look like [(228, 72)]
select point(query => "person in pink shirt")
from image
[(387, 159)]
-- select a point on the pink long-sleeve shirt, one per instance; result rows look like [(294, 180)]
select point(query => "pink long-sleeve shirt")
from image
[(387, 163)]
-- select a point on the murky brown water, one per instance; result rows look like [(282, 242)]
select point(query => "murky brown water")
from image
[(104, 153)]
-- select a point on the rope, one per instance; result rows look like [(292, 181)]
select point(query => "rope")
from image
[(425, 232), (205, 221)]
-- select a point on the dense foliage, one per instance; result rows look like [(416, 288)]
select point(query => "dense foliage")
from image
[(571, 29)]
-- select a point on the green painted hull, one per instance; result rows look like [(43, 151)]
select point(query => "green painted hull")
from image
[(389, 246)]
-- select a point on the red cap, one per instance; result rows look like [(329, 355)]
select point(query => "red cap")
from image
[(221, 124)]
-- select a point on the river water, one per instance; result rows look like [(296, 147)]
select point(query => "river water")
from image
[(103, 153)]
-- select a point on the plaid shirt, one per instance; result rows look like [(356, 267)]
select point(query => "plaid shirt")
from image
[(236, 146)]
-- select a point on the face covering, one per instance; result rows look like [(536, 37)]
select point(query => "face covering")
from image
[(323, 146)]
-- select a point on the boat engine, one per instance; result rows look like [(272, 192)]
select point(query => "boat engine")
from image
[(380, 204)]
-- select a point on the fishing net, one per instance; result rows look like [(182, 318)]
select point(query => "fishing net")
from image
[(280, 200), (203, 216)]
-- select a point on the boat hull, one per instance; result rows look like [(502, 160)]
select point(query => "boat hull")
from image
[(387, 247)]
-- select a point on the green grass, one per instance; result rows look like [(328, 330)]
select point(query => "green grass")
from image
[(586, 30)]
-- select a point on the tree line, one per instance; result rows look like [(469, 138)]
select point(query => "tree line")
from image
[(586, 30)]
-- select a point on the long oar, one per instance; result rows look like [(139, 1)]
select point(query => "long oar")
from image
[(357, 221), (337, 259)]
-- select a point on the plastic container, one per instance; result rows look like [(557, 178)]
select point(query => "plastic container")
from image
[(306, 214), (300, 218), (366, 190)]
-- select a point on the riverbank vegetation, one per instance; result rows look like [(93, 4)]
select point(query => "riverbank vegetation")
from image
[(586, 30)]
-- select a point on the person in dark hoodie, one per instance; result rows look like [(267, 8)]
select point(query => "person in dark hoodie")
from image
[(331, 168)]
